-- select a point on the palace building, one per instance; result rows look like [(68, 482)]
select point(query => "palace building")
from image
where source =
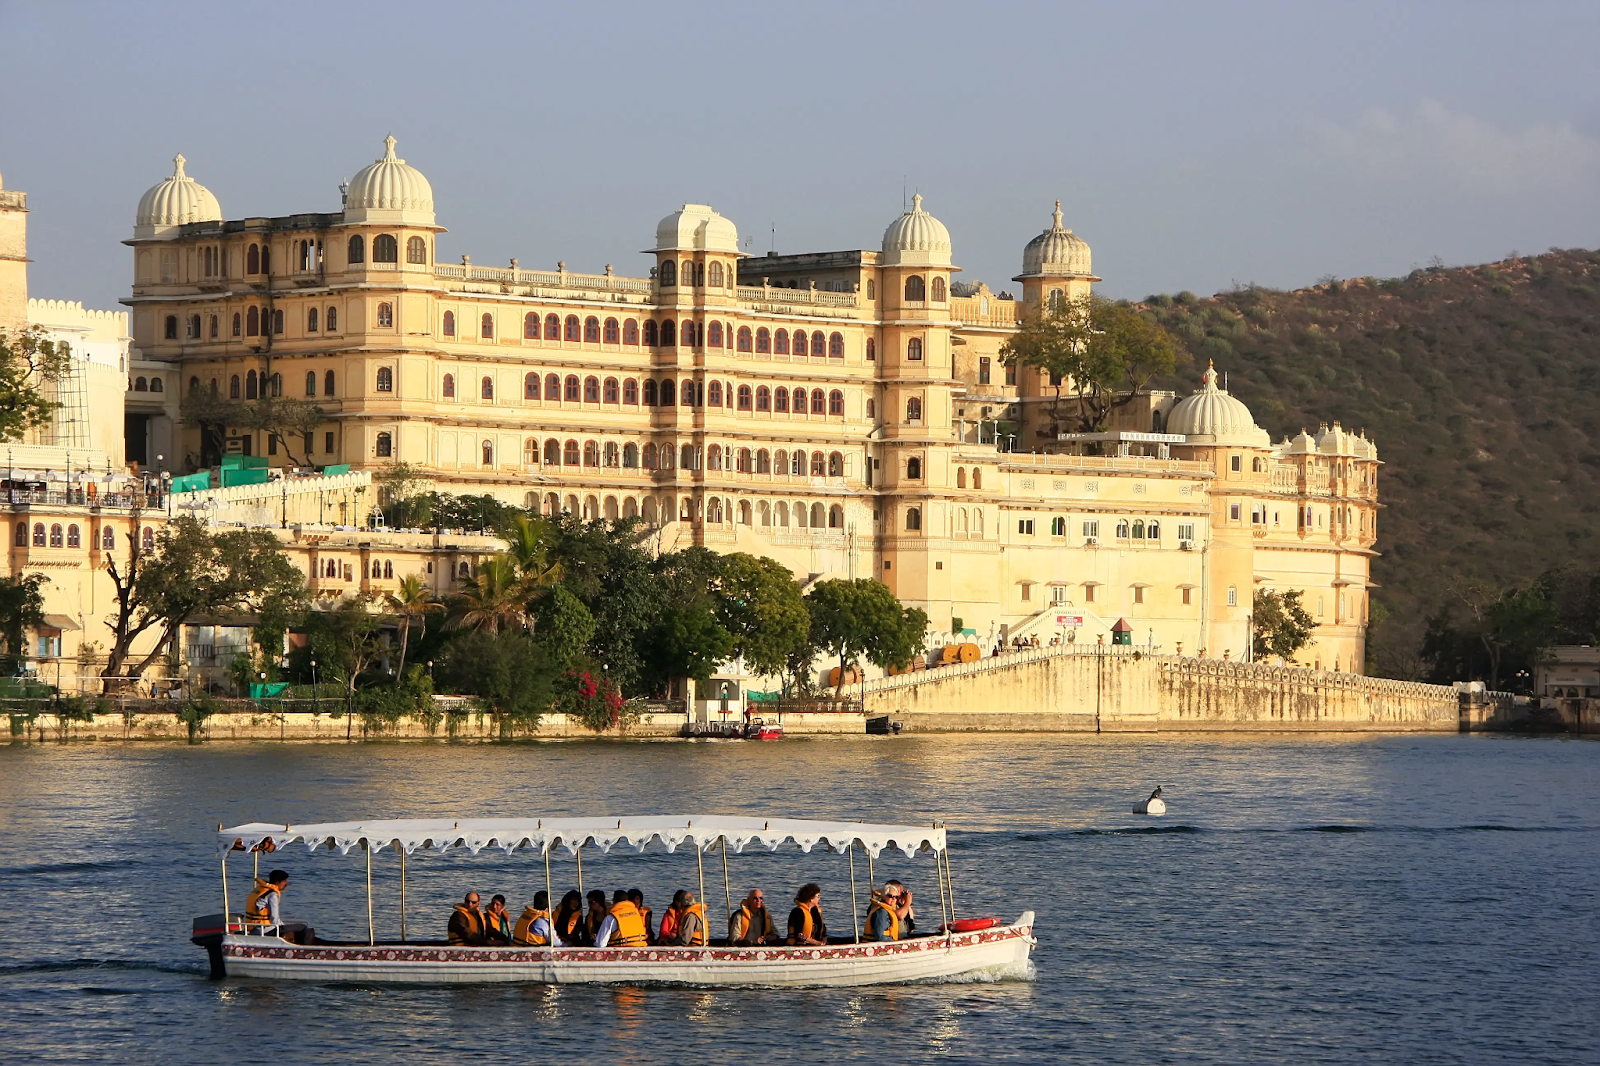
[(844, 412)]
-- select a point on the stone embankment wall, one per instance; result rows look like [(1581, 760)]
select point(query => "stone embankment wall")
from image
[(1104, 689)]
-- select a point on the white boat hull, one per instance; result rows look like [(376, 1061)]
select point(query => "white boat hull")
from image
[(989, 954)]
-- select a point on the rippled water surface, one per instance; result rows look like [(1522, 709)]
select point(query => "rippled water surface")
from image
[(1383, 899)]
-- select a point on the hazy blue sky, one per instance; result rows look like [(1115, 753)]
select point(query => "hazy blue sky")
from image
[(1192, 145)]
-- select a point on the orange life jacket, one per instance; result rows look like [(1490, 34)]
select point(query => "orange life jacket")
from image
[(754, 927), (891, 933), (523, 935), (256, 911), (475, 929), (630, 926), (807, 925), (669, 926), (699, 911)]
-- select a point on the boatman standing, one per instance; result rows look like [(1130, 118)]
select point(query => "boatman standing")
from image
[(262, 908)]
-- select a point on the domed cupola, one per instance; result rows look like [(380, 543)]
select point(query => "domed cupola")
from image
[(916, 239), (389, 191), (1056, 253), (177, 200), (1211, 416), (696, 228)]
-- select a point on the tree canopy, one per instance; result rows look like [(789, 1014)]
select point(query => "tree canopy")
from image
[(29, 360), (862, 618), (1282, 626)]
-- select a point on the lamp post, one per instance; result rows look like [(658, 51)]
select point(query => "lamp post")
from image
[(316, 692)]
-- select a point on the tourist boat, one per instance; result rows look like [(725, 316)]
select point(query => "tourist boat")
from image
[(967, 949), (761, 729)]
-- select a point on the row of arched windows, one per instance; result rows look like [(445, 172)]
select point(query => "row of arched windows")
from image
[(70, 536), (716, 511), (666, 334), (917, 289), (254, 386), (651, 456), (149, 385), (697, 275), (386, 249), (961, 477), (651, 393), (254, 322)]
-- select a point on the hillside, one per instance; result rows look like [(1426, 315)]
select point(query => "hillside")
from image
[(1481, 387)]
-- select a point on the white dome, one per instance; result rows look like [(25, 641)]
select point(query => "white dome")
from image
[(1057, 252), (389, 191), (177, 200), (916, 238), (696, 228), (1211, 416)]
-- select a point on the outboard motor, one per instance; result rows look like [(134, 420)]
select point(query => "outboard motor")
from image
[(207, 933)]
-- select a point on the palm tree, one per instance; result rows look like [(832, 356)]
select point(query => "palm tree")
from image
[(494, 599), (530, 551), (412, 600)]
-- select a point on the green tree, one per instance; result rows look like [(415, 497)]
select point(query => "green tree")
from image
[(412, 602), (192, 571), (564, 626), (1282, 626), (29, 361), (493, 600), (287, 419), (509, 672), (605, 566), (346, 641), (686, 642), (1100, 351), (758, 602), (862, 618), (21, 608)]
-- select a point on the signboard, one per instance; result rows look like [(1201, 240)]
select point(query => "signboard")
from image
[(1071, 621)]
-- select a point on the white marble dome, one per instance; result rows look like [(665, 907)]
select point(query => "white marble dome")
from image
[(696, 228), (1211, 416), (916, 239), (177, 200), (389, 190), (1056, 253)]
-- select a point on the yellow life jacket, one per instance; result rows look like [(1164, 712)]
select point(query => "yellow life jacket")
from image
[(749, 928), (891, 933), (699, 911), (523, 935), (256, 910), (475, 926), (806, 923), (630, 927)]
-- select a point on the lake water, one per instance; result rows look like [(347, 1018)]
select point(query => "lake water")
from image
[(1306, 899)]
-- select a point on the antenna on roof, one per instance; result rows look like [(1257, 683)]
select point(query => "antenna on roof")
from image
[(773, 248)]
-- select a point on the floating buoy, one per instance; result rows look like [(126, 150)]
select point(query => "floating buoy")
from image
[(1154, 805)]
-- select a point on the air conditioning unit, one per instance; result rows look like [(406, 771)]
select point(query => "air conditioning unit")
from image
[(1092, 541), (1186, 545)]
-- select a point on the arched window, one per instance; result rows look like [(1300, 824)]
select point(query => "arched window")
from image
[(687, 335), (916, 290), (630, 456), (233, 387), (763, 398), (530, 386), (649, 392), (667, 335), (385, 445), (763, 340), (156, 385), (913, 518), (486, 387), (800, 342), (745, 397), (1122, 529), (819, 344), (385, 249), (386, 315), (591, 389), (236, 326), (487, 448), (591, 330), (836, 345), (612, 391), (311, 321), (714, 457), (714, 335), (1138, 531), (55, 535), (819, 402), (650, 333), (277, 321), (819, 464), (1058, 526), (574, 331), (211, 329), (836, 517), (192, 328), (552, 387), (252, 323), (744, 462), (530, 452), (552, 452), (913, 469), (714, 394), (570, 454), (630, 333), (277, 385), (38, 534), (938, 290), (385, 379), (252, 260), (836, 402), (686, 394), (914, 409), (686, 458), (745, 339), (666, 393), (763, 461), (358, 249), (141, 385), (417, 250), (1152, 531), (714, 275), (649, 456), (108, 538), (780, 400), (961, 477), (630, 391), (836, 464), (311, 382), (552, 327), (977, 478), (669, 272), (573, 391), (333, 319), (327, 383), (147, 538), (780, 342), (818, 516), (914, 348), (591, 453)]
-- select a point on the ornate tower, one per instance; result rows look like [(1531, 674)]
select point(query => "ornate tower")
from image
[(13, 259), (1055, 271)]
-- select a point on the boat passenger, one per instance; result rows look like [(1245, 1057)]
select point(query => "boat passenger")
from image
[(636, 897), (671, 918), (466, 923), (691, 930), (623, 926), (889, 915), (805, 921), (596, 915), (751, 924), (262, 908), (497, 923), (533, 928), (569, 919)]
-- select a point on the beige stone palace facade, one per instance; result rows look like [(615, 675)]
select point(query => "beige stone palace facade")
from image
[(844, 412)]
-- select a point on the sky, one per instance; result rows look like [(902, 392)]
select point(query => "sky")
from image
[(1194, 146)]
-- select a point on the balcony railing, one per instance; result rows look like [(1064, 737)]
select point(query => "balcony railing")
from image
[(542, 280)]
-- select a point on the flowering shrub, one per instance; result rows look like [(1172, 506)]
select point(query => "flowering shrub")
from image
[(594, 701)]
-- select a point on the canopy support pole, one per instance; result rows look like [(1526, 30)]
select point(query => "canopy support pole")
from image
[(226, 919), (255, 853), (872, 878), (371, 938), (727, 888), (700, 866), (943, 910), (949, 880), (578, 854), (855, 920), (549, 901), (402, 892)]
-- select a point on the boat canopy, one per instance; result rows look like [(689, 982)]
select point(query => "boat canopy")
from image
[(541, 834)]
